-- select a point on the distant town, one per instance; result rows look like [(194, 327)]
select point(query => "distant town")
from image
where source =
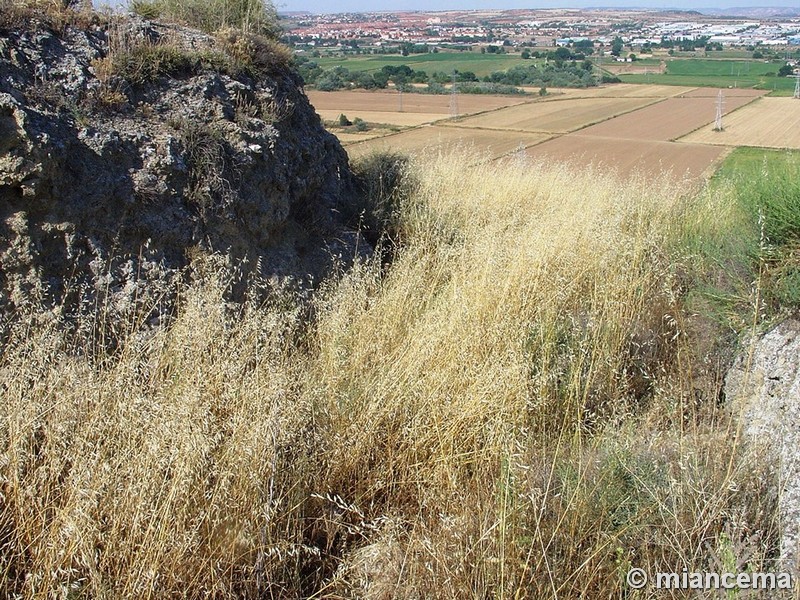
[(508, 29)]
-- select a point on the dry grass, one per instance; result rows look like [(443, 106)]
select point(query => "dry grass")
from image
[(506, 412), (252, 16), (55, 15)]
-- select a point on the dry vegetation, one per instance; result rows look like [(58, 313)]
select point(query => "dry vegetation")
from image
[(514, 408)]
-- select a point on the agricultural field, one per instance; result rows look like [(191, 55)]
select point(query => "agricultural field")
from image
[(482, 143), (767, 122), (663, 121), (631, 157), (626, 128), (446, 62), (556, 116), (733, 74), (622, 90), (389, 101)]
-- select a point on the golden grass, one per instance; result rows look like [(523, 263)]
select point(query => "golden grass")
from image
[(505, 412)]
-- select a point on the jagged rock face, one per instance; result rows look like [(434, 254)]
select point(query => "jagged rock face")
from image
[(764, 388), (120, 198)]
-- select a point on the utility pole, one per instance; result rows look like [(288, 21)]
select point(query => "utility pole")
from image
[(454, 97), (720, 104)]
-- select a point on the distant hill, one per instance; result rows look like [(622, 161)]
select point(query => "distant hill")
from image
[(759, 12)]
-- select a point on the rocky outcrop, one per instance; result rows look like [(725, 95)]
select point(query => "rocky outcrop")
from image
[(112, 185), (764, 387)]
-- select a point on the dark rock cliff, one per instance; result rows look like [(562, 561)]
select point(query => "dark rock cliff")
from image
[(128, 149)]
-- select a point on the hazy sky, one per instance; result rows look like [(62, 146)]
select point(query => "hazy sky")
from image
[(332, 6)]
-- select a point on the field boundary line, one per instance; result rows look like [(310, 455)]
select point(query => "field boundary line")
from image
[(680, 138), (557, 133)]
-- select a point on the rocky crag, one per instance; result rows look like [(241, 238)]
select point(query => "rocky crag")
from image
[(129, 148), (764, 389)]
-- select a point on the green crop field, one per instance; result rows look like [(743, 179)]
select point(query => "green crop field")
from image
[(719, 73), (480, 64)]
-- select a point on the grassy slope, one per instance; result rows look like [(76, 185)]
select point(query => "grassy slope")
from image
[(518, 407)]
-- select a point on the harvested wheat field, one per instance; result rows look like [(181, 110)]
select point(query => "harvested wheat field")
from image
[(620, 90), (666, 120), (345, 137), (493, 144), (560, 116), (767, 122), (629, 157), (726, 92), (400, 119), (389, 101)]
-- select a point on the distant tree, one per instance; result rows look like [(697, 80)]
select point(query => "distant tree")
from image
[(616, 46), (785, 70), (381, 80), (543, 91), (563, 53), (526, 54), (344, 121), (758, 54)]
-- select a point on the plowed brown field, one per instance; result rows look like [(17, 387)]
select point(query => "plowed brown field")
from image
[(630, 156)]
